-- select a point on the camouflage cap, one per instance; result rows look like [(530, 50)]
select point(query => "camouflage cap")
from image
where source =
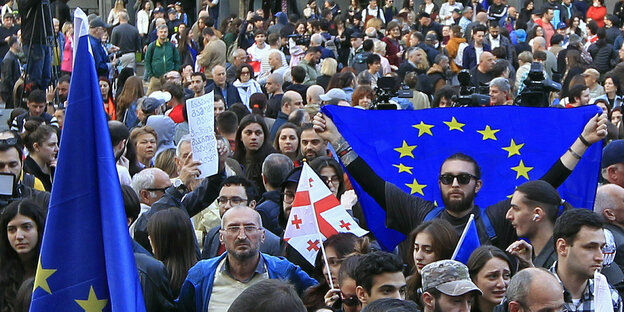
[(449, 277)]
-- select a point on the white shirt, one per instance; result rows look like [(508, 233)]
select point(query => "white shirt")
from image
[(257, 54), (494, 43), (446, 12), (478, 51), (376, 13)]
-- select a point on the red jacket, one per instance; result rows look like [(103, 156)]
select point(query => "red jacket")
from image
[(391, 51), (597, 14)]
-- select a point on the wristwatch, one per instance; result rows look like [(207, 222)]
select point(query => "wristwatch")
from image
[(180, 186)]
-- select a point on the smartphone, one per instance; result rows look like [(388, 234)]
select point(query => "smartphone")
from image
[(7, 184)]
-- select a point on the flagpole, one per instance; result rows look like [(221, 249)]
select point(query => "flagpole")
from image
[(461, 239)]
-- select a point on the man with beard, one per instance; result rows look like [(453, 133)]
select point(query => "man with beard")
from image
[(459, 182), (312, 145), (119, 134), (213, 284), (311, 58)]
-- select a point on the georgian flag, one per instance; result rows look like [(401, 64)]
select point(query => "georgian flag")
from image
[(316, 214)]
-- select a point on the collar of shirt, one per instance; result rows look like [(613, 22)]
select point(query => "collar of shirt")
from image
[(587, 295), (260, 269)]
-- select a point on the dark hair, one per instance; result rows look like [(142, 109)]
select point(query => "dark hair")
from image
[(571, 221), (35, 132), (37, 96), (323, 162), (266, 296), (239, 71), (373, 58), (464, 157), (556, 39), (541, 193), (298, 74), (13, 269), (297, 117), (250, 187), (575, 92), (252, 160), (391, 305), (12, 40), (202, 75), (132, 204), (110, 87), (540, 55), (208, 31), (482, 255), (368, 45), (348, 267), (499, 67), (287, 125), (499, 53), (118, 131), (444, 240), (593, 27), (375, 263), (313, 50), (171, 234), (176, 90), (258, 103), (478, 28), (446, 92), (616, 82), (240, 110), (227, 122)]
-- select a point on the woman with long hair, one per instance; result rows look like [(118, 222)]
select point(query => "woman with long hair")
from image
[(245, 84), (113, 16), (170, 234), (127, 101), (613, 95), (575, 66), (144, 17), (329, 66), (430, 241), (490, 269), (287, 141), (21, 225), (252, 147), (422, 64), (42, 144), (67, 62), (107, 98), (187, 48), (258, 105), (525, 13)]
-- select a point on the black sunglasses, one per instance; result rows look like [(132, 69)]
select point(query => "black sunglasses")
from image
[(462, 178), (9, 141)]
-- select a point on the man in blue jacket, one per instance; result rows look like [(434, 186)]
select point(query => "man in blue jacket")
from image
[(213, 284)]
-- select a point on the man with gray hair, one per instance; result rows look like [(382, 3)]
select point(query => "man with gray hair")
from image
[(313, 96), (275, 169), (239, 57), (222, 87), (127, 38), (609, 205), (550, 65), (500, 92), (150, 185), (275, 65), (533, 289), (273, 87)]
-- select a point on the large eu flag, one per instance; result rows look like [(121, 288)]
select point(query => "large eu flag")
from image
[(86, 261), (512, 145)]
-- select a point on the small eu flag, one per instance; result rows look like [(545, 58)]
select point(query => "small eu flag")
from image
[(468, 242), (511, 144), (86, 261)]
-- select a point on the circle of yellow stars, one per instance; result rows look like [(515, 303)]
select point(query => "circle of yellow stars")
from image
[(406, 150)]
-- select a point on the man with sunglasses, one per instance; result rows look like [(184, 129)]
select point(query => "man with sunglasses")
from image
[(459, 182), (213, 284), (236, 191), (150, 185), (11, 163)]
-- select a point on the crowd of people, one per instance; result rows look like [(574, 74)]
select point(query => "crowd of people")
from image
[(217, 243)]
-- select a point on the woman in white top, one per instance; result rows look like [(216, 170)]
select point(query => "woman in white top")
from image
[(373, 11), (245, 84), (446, 11), (113, 18), (144, 17)]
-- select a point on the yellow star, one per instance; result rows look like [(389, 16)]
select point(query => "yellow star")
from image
[(522, 170), (423, 128), (41, 278), (92, 304), (405, 150), (455, 125), (403, 168), (488, 133), (513, 148), (416, 188)]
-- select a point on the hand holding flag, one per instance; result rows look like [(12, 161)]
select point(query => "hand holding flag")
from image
[(468, 242)]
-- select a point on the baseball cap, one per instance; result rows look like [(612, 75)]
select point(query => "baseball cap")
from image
[(150, 104), (562, 25), (431, 37), (98, 22), (159, 10), (293, 176), (592, 72), (161, 95), (521, 35), (613, 153), (357, 35), (171, 10), (449, 277), (457, 10), (334, 95)]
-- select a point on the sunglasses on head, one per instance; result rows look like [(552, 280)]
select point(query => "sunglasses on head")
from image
[(9, 141), (350, 301), (462, 178)]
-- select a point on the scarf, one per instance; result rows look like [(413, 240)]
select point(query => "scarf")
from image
[(246, 89)]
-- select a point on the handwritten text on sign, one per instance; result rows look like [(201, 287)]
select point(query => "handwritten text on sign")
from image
[(201, 125)]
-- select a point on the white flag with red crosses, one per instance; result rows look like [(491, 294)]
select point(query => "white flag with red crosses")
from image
[(316, 214)]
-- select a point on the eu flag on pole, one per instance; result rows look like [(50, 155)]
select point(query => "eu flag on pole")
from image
[(511, 144), (86, 261), (468, 242)]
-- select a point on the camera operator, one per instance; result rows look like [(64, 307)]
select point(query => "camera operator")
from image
[(36, 27), (481, 74), (500, 92), (97, 29)]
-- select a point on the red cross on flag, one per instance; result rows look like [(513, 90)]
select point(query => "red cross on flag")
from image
[(316, 214)]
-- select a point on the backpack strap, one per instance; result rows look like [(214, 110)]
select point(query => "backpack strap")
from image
[(434, 213), (487, 224)]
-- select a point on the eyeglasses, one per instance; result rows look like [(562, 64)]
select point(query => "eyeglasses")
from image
[(245, 73), (249, 229), (156, 189), (9, 141), (333, 179), (288, 197), (235, 201), (462, 178), (350, 301)]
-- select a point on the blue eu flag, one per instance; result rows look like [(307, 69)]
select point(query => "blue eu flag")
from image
[(86, 261), (512, 145), (468, 242)]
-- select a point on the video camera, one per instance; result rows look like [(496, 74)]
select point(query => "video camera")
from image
[(536, 88), (469, 95), (387, 88), (299, 39)]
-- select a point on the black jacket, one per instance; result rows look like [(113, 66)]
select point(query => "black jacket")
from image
[(604, 56), (10, 73), (32, 15), (232, 93), (269, 209), (155, 283)]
